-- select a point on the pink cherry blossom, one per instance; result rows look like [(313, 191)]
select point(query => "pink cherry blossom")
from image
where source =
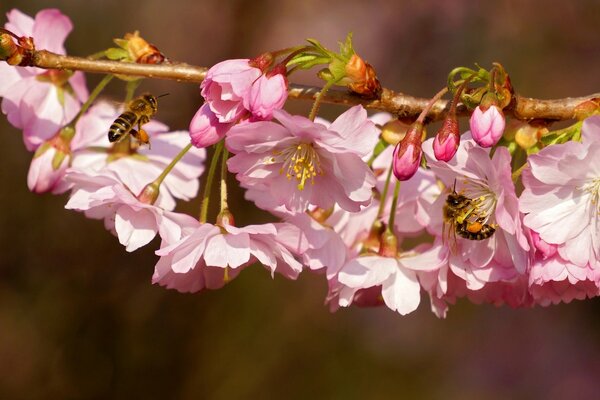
[(298, 162), (227, 85), (205, 128), (487, 126), (562, 196), (40, 101), (320, 247), (268, 93), (504, 255), (137, 168), (397, 277), (103, 196), (208, 257)]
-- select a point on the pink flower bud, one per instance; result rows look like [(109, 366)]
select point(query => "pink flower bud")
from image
[(268, 93), (447, 139), (205, 128), (407, 154), (487, 126)]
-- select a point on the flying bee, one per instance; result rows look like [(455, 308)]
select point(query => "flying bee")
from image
[(138, 112), (462, 218)]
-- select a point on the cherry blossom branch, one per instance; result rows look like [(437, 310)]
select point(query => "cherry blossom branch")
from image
[(403, 105)]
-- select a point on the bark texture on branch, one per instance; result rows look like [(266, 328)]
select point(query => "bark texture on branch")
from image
[(403, 105)]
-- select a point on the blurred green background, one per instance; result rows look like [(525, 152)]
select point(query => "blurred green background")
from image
[(80, 319)]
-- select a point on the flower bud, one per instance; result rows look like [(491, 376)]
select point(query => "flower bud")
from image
[(528, 135), (487, 122), (362, 76), (142, 52), (447, 139), (407, 153), (7, 46), (205, 128)]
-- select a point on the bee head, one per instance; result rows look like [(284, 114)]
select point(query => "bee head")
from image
[(151, 99)]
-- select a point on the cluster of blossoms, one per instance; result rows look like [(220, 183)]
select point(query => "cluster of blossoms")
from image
[(339, 213)]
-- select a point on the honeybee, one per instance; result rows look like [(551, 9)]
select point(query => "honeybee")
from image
[(461, 217), (138, 112)]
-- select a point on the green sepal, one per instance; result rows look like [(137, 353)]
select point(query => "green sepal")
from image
[(42, 149), (379, 148), (58, 159), (319, 47), (60, 93), (346, 49), (423, 161), (307, 61), (572, 132)]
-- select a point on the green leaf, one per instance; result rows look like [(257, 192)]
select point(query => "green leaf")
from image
[(346, 50), (319, 46), (122, 43), (116, 54)]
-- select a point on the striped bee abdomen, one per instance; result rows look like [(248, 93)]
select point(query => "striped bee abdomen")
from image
[(122, 126)]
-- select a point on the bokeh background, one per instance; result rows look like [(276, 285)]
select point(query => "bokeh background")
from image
[(80, 319)]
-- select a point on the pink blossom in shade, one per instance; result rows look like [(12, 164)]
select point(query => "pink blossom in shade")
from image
[(208, 257), (397, 277), (561, 199), (502, 257), (103, 196), (138, 168), (40, 101), (553, 280), (268, 93), (444, 288), (297, 162), (205, 128), (227, 85), (319, 246), (487, 126)]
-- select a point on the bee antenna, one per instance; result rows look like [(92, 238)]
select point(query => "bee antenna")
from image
[(163, 95), (454, 186)]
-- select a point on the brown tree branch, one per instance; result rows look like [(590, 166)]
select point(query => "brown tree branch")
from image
[(403, 105)]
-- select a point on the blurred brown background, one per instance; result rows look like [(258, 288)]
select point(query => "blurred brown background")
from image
[(80, 319)]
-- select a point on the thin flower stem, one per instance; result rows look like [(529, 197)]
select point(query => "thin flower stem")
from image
[(130, 89), (392, 219), (172, 164), (224, 180), (97, 90), (384, 194), (517, 174), (430, 104), (319, 99), (209, 181)]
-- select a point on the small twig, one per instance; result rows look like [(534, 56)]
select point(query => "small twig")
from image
[(405, 106)]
